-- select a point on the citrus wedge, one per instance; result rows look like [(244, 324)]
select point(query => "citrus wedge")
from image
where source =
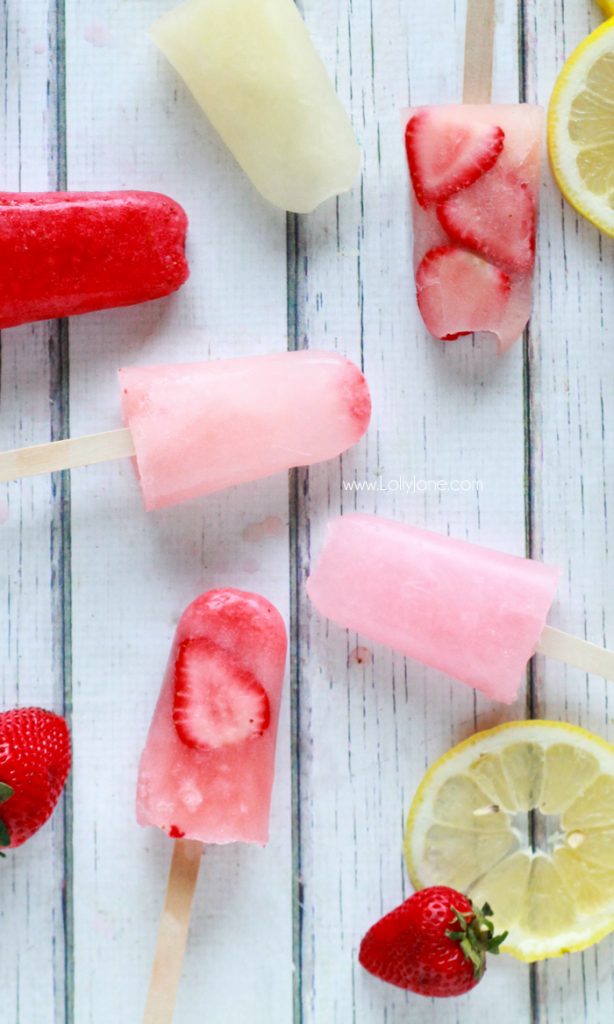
[(522, 817), (607, 6), (581, 128)]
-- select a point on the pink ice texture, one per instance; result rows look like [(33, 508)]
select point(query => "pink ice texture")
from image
[(471, 612), (201, 427)]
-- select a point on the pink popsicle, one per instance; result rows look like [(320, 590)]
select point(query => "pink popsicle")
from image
[(475, 174), (201, 427), (206, 772), (471, 612)]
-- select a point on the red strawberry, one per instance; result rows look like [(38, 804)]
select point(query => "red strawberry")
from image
[(459, 293), (434, 944), (34, 765), (446, 154), (496, 217), (216, 702)]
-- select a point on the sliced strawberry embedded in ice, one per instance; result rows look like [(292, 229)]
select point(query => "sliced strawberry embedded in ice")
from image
[(460, 293), (496, 218), (216, 702), (446, 153)]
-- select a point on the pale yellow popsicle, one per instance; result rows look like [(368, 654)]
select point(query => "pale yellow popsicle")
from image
[(252, 67)]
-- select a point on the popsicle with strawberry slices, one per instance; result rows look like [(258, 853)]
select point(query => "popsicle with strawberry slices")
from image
[(63, 253), (206, 772), (476, 614), (474, 173), (207, 769)]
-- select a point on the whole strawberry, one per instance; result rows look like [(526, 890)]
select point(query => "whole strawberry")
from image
[(434, 944), (34, 765)]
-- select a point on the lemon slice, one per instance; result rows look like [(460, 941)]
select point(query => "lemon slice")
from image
[(607, 6), (581, 129), (522, 817)]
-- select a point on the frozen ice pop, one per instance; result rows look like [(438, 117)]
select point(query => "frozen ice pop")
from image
[(476, 614), (207, 769), (253, 69), (201, 427), (64, 253), (196, 428), (474, 172)]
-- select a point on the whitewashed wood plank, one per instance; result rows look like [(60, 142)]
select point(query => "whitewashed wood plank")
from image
[(134, 573), (572, 369), (32, 877), (370, 725)]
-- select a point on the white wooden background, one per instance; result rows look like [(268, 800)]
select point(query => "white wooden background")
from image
[(92, 586)]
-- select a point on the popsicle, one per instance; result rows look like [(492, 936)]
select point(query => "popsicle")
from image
[(64, 253), (195, 428), (253, 69), (474, 171), (206, 772), (476, 614)]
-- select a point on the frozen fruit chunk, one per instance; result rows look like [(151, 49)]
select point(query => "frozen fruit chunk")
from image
[(447, 152), (459, 293), (496, 218), (217, 703)]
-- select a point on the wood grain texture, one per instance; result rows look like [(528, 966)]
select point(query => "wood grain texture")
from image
[(32, 883), (93, 586)]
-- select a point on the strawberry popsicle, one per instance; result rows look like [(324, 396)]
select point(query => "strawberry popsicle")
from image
[(473, 613), (474, 173), (207, 769), (201, 427), (253, 69), (64, 253)]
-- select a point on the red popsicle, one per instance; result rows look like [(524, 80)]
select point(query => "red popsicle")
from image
[(63, 253)]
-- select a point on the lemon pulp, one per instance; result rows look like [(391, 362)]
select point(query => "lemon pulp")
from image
[(522, 817)]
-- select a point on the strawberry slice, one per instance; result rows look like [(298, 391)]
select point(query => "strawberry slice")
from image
[(459, 293), (216, 703), (446, 154), (496, 217)]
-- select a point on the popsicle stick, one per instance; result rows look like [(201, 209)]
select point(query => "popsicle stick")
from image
[(56, 455), (577, 652), (479, 46), (173, 933)]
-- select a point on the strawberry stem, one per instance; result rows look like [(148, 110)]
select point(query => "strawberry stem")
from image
[(476, 936)]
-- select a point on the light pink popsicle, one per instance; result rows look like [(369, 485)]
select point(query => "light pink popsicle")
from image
[(474, 244), (201, 427), (473, 613), (206, 772)]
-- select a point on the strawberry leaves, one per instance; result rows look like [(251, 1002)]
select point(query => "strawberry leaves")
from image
[(476, 937)]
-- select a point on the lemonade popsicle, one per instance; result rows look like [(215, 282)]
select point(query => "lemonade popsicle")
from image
[(474, 172), (206, 772), (471, 612), (253, 69)]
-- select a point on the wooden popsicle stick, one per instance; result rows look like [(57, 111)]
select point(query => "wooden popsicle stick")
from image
[(56, 455), (173, 933), (479, 46), (577, 652)]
